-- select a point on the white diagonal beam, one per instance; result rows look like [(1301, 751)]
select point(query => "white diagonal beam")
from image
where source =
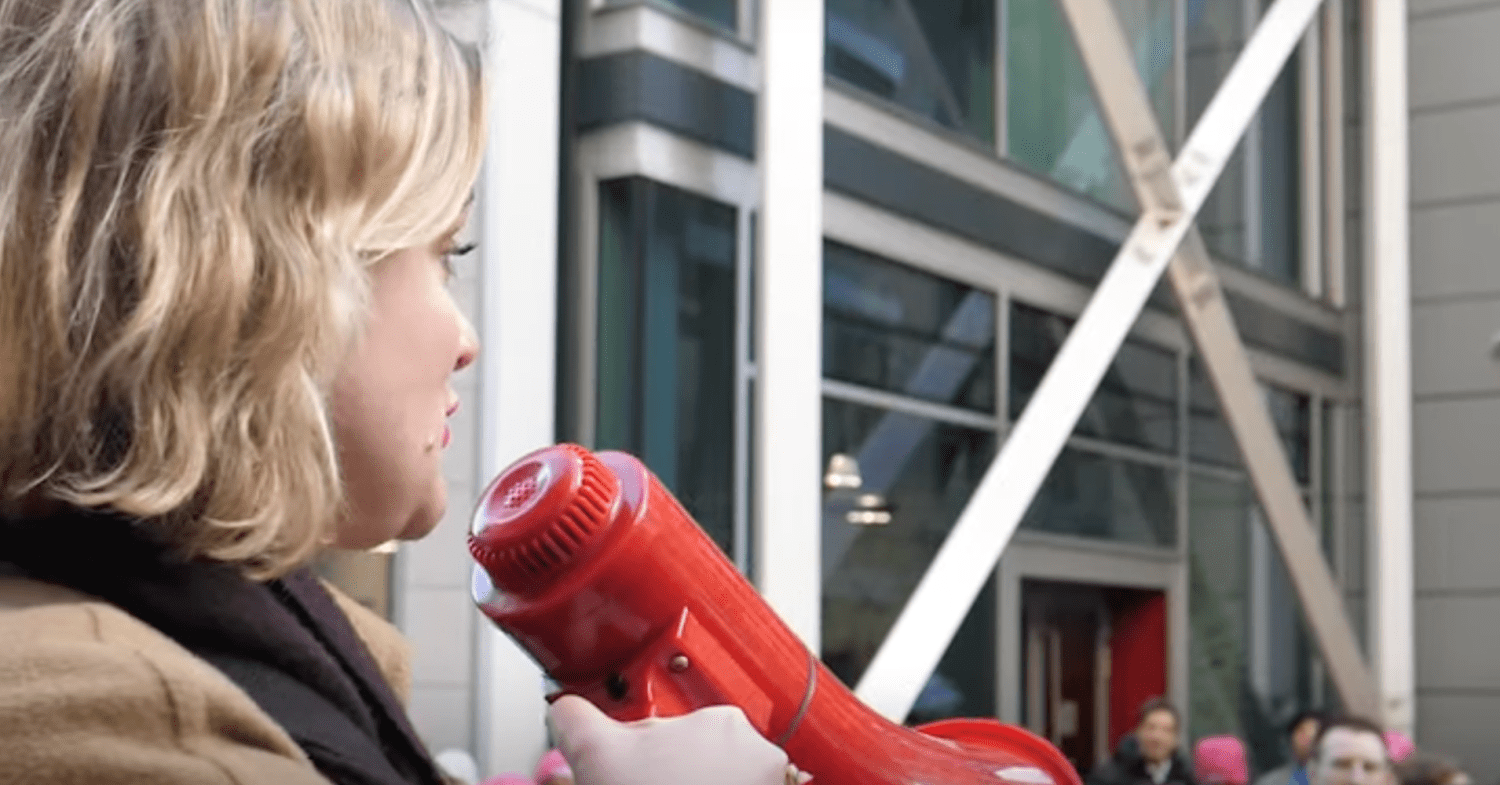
[(941, 600), (1128, 116)]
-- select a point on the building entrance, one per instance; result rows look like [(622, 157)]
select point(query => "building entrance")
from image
[(1091, 655)]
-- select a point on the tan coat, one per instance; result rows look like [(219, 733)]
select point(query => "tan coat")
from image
[(90, 694)]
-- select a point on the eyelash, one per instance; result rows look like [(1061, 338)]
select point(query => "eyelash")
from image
[(455, 252)]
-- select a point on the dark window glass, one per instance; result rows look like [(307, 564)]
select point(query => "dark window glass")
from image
[(933, 57), (1091, 495), (666, 354), (1136, 402), (1216, 32), (1053, 125), (1210, 440), (1249, 651), (722, 13), (964, 683), (891, 327), (923, 472)]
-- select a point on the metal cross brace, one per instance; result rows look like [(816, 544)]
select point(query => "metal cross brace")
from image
[(1171, 193), (1128, 116)]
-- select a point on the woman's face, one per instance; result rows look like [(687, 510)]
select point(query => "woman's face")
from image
[(391, 400)]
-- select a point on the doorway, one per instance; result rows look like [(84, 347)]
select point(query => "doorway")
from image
[(1090, 656)]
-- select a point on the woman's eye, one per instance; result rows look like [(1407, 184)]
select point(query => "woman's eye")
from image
[(453, 253)]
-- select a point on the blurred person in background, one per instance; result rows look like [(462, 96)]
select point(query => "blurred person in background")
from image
[(1425, 769), (1398, 745), (1301, 732), (1148, 755), (1220, 760), (1350, 751)]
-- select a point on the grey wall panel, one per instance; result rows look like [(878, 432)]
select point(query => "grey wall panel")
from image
[(1455, 250), (1456, 445), (1462, 726), (1451, 344), (1442, 51), (1451, 631), (1419, 9), (1457, 544), (1453, 155)]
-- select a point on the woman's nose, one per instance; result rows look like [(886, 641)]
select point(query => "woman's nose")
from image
[(468, 344)]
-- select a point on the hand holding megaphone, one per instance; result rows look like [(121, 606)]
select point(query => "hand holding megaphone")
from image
[(710, 746)]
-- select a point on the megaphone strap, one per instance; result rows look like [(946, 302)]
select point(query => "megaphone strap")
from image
[(812, 687)]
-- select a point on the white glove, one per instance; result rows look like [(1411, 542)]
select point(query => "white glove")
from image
[(712, 746)]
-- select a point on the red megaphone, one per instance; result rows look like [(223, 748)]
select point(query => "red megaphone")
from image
[(597, 571)]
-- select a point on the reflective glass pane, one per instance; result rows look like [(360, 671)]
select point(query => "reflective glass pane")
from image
[(1216, 32), (1209, 437), (923, 472), (1327, 479), (1280, 252), (1250, 655), (1091, 495), (963, 685), (1053, 125), (891, 327), (933, 57), (723, 13), (1136, 402), (666, 341), (1291, 413), (1210, 440)]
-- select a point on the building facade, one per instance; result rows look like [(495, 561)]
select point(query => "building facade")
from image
[(972, 200)]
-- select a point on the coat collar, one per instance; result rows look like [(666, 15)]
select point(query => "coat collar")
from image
[(291, 625)]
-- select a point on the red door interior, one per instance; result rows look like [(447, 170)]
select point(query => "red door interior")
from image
[(1138, 658), (1091, 655)]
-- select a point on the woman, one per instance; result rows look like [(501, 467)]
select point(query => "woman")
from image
[(226, 343)]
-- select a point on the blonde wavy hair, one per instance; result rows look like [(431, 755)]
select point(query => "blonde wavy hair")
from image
[(191, 195)]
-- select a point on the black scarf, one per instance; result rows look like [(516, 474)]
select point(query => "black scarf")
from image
[(285, 642)]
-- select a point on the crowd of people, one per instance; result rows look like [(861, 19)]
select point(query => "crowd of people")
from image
[(1321, 749)]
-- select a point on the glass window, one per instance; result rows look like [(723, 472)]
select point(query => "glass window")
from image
[(1269, 240), (888, 326), (963, 685), (1250, 660), (1210, 440), (1280, 255), (1136, 402), (933, 57), (1091, 495), (666, 356), (723, 13), (1209, 437), (1216, 31), (1291, 414), (924, 471), (1053, 125)]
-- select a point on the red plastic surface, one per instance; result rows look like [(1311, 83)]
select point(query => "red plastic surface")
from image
[(617, 593)]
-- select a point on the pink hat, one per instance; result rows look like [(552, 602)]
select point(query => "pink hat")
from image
[(1220, 760), (507, 779), (1398, 745), (551, 765)]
